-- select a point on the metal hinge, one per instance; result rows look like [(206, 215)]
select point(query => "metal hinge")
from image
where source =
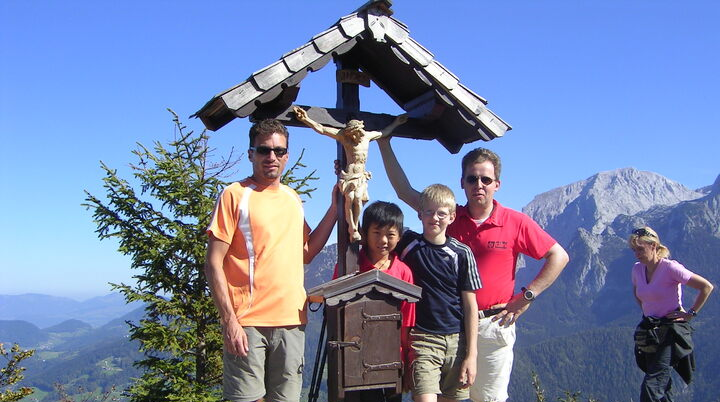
[(383, 366), (344, 344), (381, 317)]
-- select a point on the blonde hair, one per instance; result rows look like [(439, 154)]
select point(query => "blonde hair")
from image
[(646, 235), (438, 194)]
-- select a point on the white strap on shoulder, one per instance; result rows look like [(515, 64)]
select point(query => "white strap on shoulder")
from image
[(245, 229)]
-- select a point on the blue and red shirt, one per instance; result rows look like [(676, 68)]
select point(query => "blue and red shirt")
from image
[(443, 271)]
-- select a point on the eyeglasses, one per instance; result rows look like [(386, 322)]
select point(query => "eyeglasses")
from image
[(472, 179), (263, 150), (643, 232), (429, 213)]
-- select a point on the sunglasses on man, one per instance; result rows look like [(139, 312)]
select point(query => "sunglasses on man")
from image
[(472, 179), (263, 150)]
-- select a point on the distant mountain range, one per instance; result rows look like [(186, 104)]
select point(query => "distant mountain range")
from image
[(76, 355), (577, 336), (44, 311), (77, 344)]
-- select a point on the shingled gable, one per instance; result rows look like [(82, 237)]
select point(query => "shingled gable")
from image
[(349, 287), (439, 106)]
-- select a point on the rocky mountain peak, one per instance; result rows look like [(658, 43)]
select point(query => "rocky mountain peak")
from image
[(715, 188), (592, 204)]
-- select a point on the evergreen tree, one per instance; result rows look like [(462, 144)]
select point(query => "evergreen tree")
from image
[(11, 374), (160, 223)]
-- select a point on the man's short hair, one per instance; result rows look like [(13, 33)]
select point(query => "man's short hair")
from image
[(439, 194), (268, 127), (382, 214), (480, 155)]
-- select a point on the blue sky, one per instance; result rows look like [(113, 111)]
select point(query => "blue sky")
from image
[(587, 87)]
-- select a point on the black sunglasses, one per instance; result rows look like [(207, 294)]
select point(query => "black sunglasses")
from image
[(471, 179), (642, 232), (263, 150)]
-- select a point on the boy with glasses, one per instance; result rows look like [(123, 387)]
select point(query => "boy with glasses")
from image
[(444, 339), (497, 236)]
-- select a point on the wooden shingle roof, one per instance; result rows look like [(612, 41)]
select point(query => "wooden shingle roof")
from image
[(438, 104), (349, 287)]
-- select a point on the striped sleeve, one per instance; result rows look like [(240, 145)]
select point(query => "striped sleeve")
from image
[(467, 269), (407, 242)]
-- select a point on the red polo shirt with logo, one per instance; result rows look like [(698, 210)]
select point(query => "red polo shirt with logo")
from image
[(496, 244)]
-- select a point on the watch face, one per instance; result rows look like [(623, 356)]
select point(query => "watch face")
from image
[(528, 294)]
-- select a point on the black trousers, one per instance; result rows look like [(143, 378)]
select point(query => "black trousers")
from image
[(657, 382)]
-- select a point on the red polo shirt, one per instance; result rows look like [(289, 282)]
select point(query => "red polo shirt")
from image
[(496, 244)]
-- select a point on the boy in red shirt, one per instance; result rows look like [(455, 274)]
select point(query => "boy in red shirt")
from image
[(381, 229)]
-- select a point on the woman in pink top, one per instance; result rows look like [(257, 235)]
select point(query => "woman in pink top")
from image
[(657, 287)]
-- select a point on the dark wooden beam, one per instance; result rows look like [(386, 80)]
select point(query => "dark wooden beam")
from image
[(414, 128), (348, 100), (215, 115)]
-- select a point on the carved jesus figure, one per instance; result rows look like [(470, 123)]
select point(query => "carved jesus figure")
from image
[(353, 180)]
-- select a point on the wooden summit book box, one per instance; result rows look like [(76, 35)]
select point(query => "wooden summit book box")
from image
[(363, 330)]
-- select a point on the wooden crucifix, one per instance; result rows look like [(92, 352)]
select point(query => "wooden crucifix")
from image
[(354, 178)]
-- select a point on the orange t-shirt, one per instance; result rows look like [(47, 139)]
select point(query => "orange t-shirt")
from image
[(266, 231)]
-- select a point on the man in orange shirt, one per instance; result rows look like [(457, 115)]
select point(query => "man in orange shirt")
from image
[(258, 243)]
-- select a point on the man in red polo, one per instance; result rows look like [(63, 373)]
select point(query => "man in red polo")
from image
[(496, 235)]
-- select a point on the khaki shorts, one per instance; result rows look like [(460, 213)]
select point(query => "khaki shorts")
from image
[(275, 359), (436, 364)]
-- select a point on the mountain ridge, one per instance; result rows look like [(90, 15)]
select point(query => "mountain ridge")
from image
[(35, 308), (606, 194)]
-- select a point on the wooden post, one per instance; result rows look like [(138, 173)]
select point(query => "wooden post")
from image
[(348, 99)]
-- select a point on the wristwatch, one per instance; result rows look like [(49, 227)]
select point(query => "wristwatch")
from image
[(528, 294), (692, 312)]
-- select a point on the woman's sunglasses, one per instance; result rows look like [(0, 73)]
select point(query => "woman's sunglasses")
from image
[(642, 232)]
